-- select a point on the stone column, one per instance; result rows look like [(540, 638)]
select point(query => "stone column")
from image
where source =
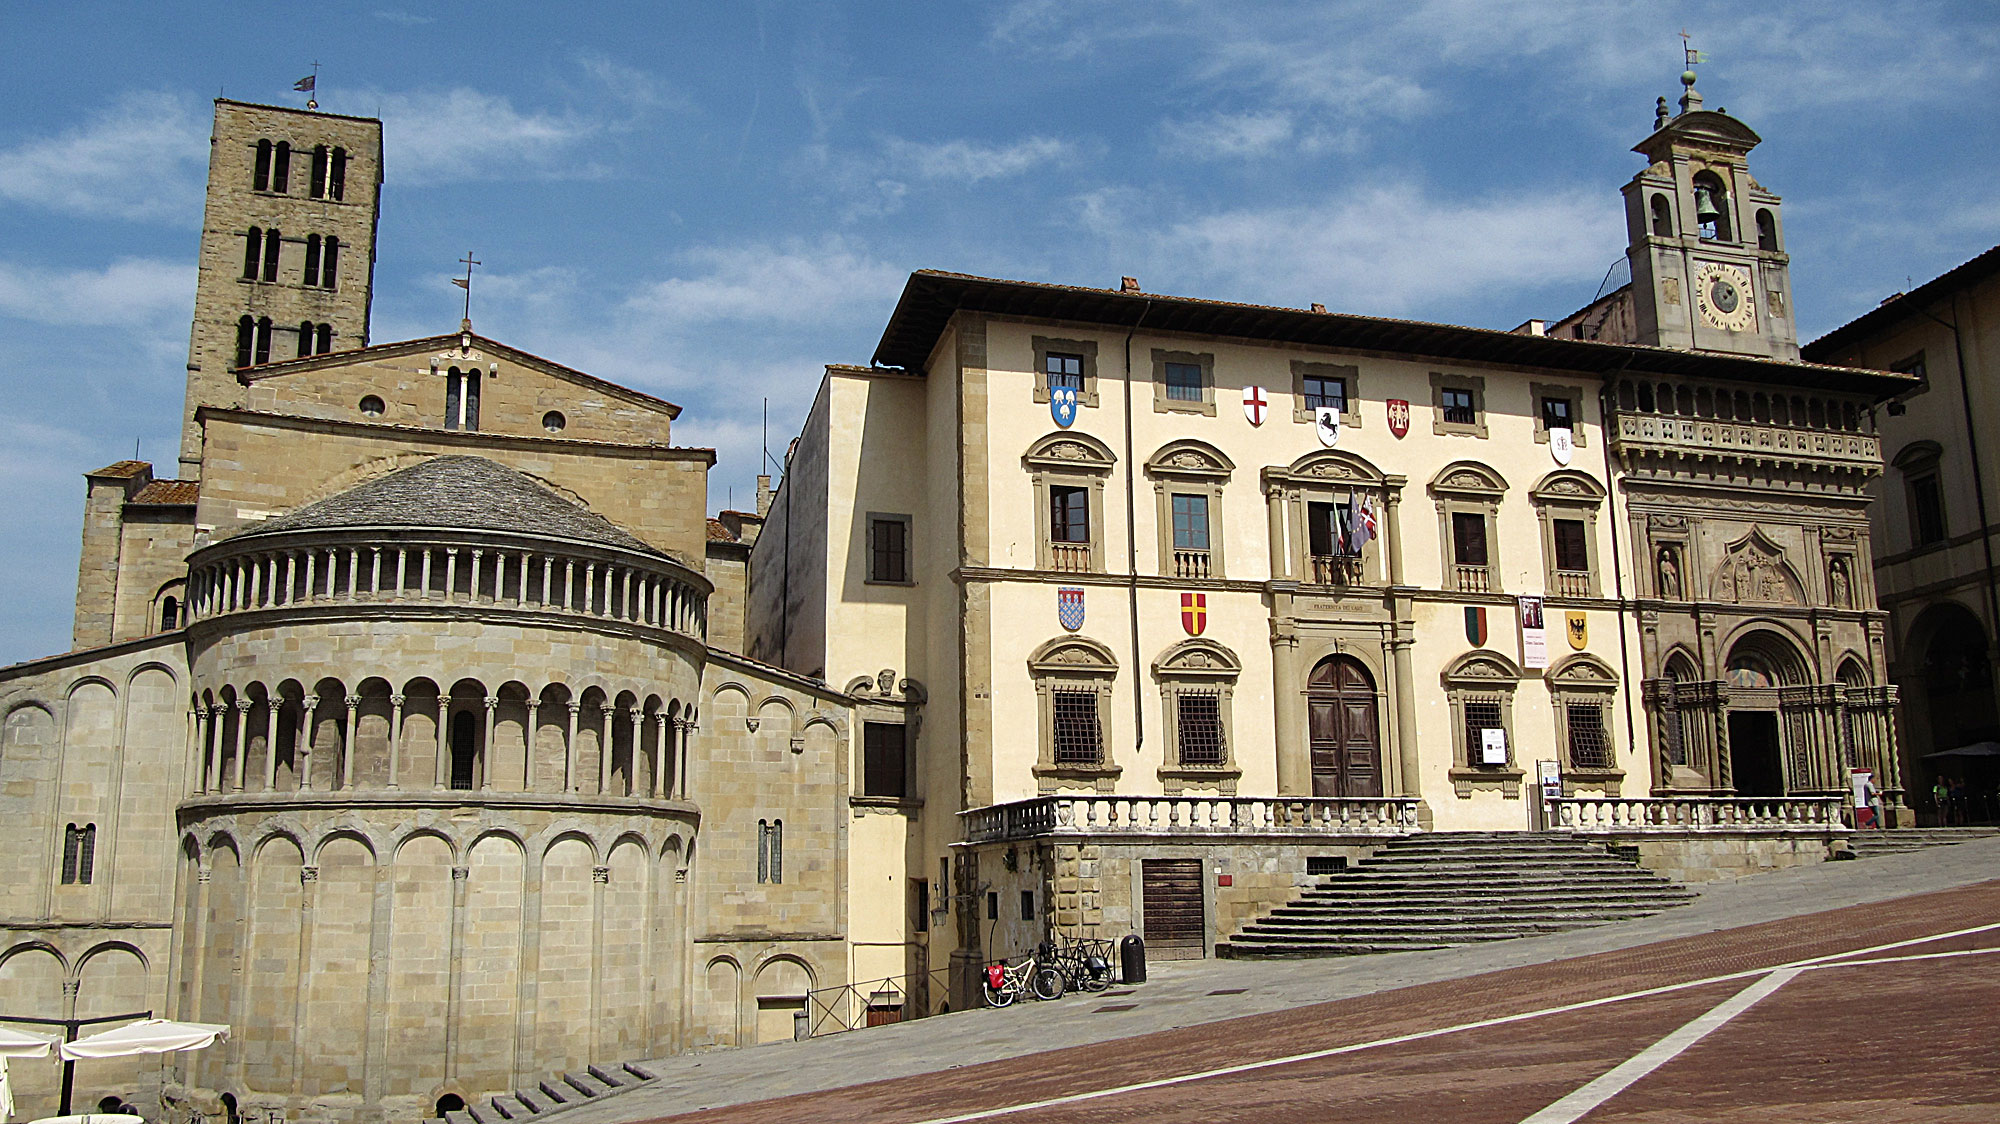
[(656, 784), (216, 734), (1392, 521), (530, 718), (638, 750), (686, 772), (198, 942), (1409, 762), (424, 572), (590, 588), (454, 996), (353, 573), (444, 743), (600, 877), (571, 782), (472, 587), (308, 891), (486, 747), (1294, 755), (242, 740), (548, 577), (192, 778), (1281, 558), (606, 735), (272, 705), (347, 742), (302, 748), (450, 572), (396, 740)]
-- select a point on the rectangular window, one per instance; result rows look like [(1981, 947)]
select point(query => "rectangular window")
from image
[(1458, 409), (889, 549), (1184, 382), (1198, 718), (1556, 414), (1078, 739), (1323, 529), (1069, 514), (1926, 510), (79, 854), (1481, 715), (920, 900), (1027, 905), (1065, 370), (1589, 748), (770, 851), (1190, 522), (1322, 391), (1468, 538), (883, 752), (993, 905), (1572, 548)]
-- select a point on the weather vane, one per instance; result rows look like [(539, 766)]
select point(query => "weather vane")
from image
[(465, 283), (309, 86), (1687, 50)]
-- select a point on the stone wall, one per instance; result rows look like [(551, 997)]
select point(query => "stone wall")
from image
[(1709, 858)]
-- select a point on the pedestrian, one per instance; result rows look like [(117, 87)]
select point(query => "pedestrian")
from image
[(1941, 802)]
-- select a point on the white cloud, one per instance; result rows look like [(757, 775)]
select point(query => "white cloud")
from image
[(970, 161), (130, 292), (1227, 136), (140, 159), (1386, 251), (407, 19), (792, 284), (461, 133)]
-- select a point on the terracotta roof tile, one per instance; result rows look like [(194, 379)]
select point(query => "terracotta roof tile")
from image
[(175, 493), (719, 533), (123, 470)]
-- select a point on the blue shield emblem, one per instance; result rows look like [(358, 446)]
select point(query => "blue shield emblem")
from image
[(1069, 608), (1062, 404)]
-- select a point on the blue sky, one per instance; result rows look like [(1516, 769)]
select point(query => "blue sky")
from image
[(709, 201)]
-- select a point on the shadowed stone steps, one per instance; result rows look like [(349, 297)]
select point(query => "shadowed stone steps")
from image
[(1902, 840), (1431, 891), (554, 1093)]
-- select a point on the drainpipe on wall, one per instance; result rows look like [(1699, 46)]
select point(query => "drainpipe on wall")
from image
[(1132, 546)]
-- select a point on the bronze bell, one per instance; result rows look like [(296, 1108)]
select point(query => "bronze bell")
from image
[(1705, 209)]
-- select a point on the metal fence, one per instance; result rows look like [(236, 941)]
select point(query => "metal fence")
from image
[(893, 999)]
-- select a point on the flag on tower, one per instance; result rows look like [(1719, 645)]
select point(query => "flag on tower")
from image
[(462, 282), (307, 84)]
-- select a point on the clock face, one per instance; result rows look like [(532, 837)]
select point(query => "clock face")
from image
[(1722, 293)]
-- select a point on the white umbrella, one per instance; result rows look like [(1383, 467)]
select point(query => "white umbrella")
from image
[(148, 1036), (14, 1044)]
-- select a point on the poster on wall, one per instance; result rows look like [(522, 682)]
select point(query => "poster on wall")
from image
[(1492, 746), (1534, 633)]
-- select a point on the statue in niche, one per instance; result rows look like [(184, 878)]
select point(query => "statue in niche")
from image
[(1837, 583), (1670, 575)]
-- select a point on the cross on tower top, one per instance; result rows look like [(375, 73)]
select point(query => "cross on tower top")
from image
[(465, 283)]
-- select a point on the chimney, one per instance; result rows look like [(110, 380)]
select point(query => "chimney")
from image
[(1128, 284), (1532, 328), (764, 495), (1318, 307)]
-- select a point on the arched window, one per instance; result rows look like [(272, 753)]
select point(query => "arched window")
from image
[(336, 177), (1711, 207), (311, 277), (271, 241), (329, 262), (263, 351), (281, 168), (464, 749), (260, 179), (1767, 230), (461, 399), (246, 338), (253, 253), (325, 342), (318, 187), (170, 614), (79, 854), (1663, 217), (305, 338), (770, 851)]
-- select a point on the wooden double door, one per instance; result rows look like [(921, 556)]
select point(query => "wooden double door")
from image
[(1344, 728)]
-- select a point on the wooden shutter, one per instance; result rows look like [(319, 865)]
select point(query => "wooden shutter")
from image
[(1171, 897)]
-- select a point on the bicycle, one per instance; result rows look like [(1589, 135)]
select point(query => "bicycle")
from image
[(1005, 982), (1085, 963)]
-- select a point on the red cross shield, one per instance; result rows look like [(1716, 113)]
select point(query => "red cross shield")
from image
[(1255, 404)]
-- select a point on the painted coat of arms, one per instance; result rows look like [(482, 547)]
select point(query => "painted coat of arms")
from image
[(1062, 405), (1255, 404), (1399, 416), (1194, 613), (1069, 607)]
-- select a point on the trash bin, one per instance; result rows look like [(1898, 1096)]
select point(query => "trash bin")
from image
[(1132, 960)]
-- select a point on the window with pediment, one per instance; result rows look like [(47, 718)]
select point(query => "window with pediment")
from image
[(1468, 496), (1567, 503), (1583, 690), (1074, 678), (1067, 471), (1479, 687), (1332, 519), (1188, 477), (1197, 679)]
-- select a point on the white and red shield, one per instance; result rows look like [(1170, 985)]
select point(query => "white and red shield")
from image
[(1255, 404), (1326, 423), (1399, 416)]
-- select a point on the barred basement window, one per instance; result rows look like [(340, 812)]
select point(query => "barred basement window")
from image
[(1588, 746), (1078, 738), (1200, 727)]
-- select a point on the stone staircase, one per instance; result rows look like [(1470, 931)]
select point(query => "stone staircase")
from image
[(1902, 840), (553, 1094), (1442, 889)]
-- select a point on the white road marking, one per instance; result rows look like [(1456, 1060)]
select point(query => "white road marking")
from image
[(1418, 1036), (1621, 1077)]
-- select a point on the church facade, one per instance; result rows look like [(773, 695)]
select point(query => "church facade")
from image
[(426, 730)]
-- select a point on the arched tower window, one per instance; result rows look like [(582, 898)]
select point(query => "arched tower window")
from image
[(281, 168), (461, 399), (336, 176), (329, 262), (246, 338), (1711, 207), (305, 338), (253, 253), (318, 186), (1767, 230), (324, 343), (260, 178), (311, 277), (170, 614), (263, 350), (1663, 217), (464, 749), (271, 241)]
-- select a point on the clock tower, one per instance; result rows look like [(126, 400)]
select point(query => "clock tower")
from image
[(1709, 268)]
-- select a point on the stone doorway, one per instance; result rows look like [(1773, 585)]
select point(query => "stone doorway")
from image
[(1344, 729), (1755, 764)]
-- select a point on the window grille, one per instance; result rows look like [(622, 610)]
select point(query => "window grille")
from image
[(1199, 717), (1481, 714), (1325, 392), (1184, 382), (1078, 740), (1064, 371), (889, 551), (1589, 748), (1458, 408)]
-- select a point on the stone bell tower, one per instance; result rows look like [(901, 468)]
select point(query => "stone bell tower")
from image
[(1706, 241)]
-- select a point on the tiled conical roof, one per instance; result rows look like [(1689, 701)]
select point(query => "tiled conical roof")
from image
[(460, 493)]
